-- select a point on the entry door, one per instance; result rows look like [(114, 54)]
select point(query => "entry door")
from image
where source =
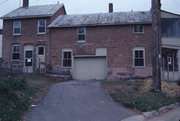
[(28, 61), (40, 59)]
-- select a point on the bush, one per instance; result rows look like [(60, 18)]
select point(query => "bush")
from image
[(15, 98)]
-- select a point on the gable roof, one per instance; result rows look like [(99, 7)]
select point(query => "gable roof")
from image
[(33, 11), (118, 18)]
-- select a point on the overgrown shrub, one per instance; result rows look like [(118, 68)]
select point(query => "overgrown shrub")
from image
[(15, 98)]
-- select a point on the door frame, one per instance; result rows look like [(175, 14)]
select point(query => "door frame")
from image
[(26, 68)]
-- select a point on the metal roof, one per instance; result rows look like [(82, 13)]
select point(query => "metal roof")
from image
[(33, 11), (117, 18)]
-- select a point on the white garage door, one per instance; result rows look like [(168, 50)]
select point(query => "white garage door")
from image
[(90, 68)]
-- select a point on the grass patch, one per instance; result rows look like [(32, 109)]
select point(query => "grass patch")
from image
[(138, 95), (20, 91), (15, 96)]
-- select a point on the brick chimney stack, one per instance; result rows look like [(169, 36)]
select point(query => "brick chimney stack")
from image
[(110, 7), (25, 3)]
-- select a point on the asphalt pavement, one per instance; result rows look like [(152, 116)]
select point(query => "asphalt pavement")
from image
[(77, 101)]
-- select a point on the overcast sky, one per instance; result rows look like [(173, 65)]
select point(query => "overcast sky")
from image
[(93, 6)]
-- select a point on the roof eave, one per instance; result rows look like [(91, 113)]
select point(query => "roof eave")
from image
[(68, 26), (24, 17)]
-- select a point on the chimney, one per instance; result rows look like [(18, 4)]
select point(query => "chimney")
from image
[(25, 3), (110, 7)]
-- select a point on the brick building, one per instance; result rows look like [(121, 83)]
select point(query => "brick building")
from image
[(26, 37), (87, 46)]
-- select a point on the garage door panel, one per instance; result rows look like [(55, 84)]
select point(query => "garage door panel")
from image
[(89, 68)]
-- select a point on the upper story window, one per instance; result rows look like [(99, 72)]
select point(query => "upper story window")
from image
[(42, 26), (139, 57), (15, 52), (138, 29), (16, 27), (81, 34), (170, 27)]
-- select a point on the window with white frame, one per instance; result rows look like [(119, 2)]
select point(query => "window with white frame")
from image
[(16, 27), (139, 57), (81, 34), (138, 29), (67, 58), (42, 26), (15, 52)]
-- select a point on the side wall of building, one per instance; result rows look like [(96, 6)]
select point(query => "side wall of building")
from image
[(119, 41)]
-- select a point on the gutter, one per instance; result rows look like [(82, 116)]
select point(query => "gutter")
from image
[(92, 25)]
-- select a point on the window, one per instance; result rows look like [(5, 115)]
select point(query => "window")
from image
[(67, 58), (15, 52), (81, 34), (138, 57), (138, 29), (170, 27), (16, 27), (40, 50), (42, 26)]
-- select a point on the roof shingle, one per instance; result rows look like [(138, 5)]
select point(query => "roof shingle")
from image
[(33, 11), (117, 18)]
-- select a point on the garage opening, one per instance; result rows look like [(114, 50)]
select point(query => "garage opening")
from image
[(89, 68)]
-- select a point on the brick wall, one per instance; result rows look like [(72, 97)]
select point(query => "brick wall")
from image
[(119, 41), (28, 36)]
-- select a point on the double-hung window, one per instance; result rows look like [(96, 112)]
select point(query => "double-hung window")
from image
[(15, 52), (138, 29), (139, 57), (16, 27), (81, 34), (41, 26), (67, 58)]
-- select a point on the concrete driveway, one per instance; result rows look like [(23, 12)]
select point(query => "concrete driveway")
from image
[(77, 101)]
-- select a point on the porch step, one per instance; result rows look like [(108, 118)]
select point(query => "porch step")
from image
[(64, 77)]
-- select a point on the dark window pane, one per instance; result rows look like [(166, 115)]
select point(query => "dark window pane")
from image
[(41, 50), (81, 37), (141, 54), (138, 28), (67, 63), (17, 30), (16, 48), (41, 29), (136, 54), (67, 59), (170, 27), (139, 62), (15, 56), (42, 26), (17, 24), (28, 54), (139, 58), (81, 30)]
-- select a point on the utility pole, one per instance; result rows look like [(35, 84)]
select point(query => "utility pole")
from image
[(156, 44), (19, 3)]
